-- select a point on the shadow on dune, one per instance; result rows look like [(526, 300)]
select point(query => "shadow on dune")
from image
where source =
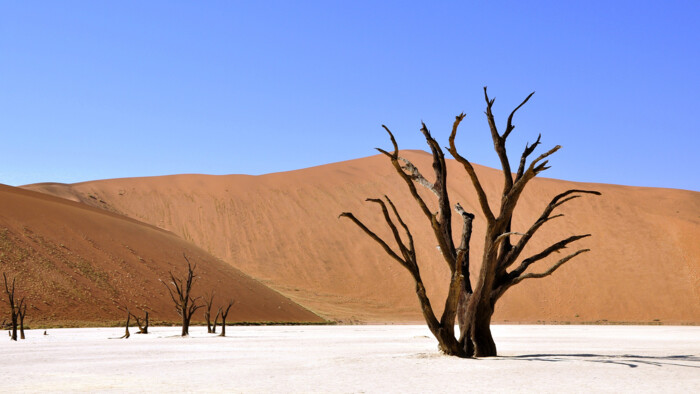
[(630, 360)]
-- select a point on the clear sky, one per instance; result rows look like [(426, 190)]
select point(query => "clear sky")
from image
[(95, 89)]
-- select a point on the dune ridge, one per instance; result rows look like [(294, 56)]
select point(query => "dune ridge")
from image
[(79, 265), (282, 228)]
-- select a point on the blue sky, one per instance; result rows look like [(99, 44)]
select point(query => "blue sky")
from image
[(93, 90)]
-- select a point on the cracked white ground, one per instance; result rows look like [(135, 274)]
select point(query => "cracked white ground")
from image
[(372, 358)]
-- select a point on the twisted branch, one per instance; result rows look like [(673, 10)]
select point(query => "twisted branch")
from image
[(483, 201), (550, 270)]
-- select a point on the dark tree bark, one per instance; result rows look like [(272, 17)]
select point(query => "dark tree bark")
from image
[(142, 324), (22, 311), (185, 304), (14, 308), (216, 319), (126, 333), (472, 307), (224, 313), (208, 300)]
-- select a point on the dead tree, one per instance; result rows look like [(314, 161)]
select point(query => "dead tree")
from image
[(185, 304), (21, 312), (216, 319), (126, 333), (142, 324), (208, 300), (14, 308), (501, 266), (224, 313)]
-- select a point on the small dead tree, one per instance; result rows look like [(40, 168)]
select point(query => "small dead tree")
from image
[(208, 300), (21, 312), (224, 313), (185, 304), (126, 333), (142, 324), (216, 319), (500, 270), (14, 308)]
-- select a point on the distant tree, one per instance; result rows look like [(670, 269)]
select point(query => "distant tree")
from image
[(126, 333), (142, 323), (216, 319), (473, 307), (224, 313), (185, 304), (14, 307), (21, 312), (208, 300)]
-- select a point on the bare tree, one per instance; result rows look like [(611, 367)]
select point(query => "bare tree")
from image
[(216, 319), (224, 313), (14, 308), (501, 266), (208, 300), (21, 312), (126, 333), (185, 304), (142, 324)]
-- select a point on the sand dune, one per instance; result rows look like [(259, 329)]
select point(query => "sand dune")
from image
[(283, 229), (77, 264)]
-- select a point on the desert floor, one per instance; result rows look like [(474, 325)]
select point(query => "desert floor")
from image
[(381, 358)]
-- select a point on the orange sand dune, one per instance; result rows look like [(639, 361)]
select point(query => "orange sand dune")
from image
[(76, 265), (283, 229)]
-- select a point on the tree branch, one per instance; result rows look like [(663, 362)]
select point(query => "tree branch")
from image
[(172, 296), (523, 158), (557, 201), (510, 126), (483, 201), (376, 238), (417, 176), (503, 236), (404, 250), (550, 270), (395, 161), (463, 249), (442, 224), (510, 199), (411, 247), (539, 256), (499, 143)]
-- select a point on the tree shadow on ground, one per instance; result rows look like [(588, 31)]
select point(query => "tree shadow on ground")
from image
[(630, 360)]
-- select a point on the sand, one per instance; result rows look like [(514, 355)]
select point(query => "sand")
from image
[(79, 265), (373, 359), (282, 229)]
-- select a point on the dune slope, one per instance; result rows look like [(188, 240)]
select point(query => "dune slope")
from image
[(78, 265), (283, 229)]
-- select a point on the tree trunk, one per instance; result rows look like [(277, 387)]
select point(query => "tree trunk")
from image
[(480, 331), (21, 327), (144, 329), (216, 320), (465, 337), (14, 309), (448, 344), (128, 320), (185, 326), (223, 326), (14, 326), (224, 314)]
